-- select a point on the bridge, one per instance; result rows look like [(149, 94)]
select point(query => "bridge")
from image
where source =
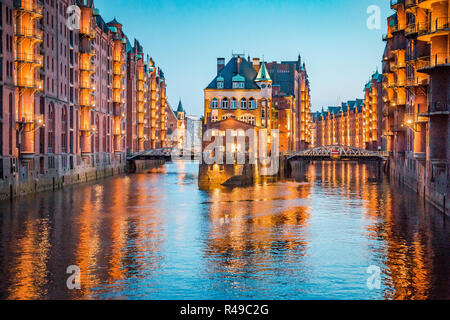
[(160, 154), (340, 153)]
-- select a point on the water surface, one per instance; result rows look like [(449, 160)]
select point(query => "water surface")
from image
[(157, 236)]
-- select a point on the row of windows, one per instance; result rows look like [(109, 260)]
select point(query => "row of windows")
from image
[(233, 104), (245, 118)]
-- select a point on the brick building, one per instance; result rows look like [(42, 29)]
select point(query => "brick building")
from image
[(340, 125), (416, 98), (292, 103), (66, 98)]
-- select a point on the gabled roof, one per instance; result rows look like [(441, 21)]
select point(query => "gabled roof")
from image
[(263, 74), (246, 73)]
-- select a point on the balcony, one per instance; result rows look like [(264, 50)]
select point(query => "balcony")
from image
[(439, 26), (410, 83), (396, 65), (437, 60), (29, 83), (87, 68), (85, 32), (87, 85), (29, 6), (32, 33), (29, 58), (410, 3), (437, 108), (90, 51)]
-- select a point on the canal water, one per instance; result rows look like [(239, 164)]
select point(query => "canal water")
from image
[(339, 232)]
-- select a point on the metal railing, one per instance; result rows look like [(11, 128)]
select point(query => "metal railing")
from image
[(435, 25), (437, 59), (29, 58), (29, 5), (438, 106), (22, 31)]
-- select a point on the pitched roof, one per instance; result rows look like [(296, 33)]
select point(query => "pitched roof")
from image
[(246, 71), (263, 74), (180, 107)]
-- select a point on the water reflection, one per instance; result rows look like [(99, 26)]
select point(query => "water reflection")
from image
[(157, 236)]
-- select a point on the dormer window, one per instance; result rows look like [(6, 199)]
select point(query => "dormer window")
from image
[(238, 82), (220, 83), (238, 85)]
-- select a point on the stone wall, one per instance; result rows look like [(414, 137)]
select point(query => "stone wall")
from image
[(433, 187)]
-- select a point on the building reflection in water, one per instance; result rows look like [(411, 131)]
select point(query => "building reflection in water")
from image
[(157, 236)]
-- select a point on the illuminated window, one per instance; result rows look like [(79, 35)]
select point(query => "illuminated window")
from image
[(225, 103), (233, 105), (215, 104), (252, 104), (243, 104)]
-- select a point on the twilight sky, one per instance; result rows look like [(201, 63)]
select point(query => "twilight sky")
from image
[(185, 37)]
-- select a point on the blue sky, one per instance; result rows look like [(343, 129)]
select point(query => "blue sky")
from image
[(186, 37)]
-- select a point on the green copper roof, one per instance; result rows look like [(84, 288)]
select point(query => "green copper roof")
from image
[(220, 79), (96, 12), (263, 74), (238, 78), (113, 29)]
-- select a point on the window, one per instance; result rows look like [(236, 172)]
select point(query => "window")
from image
[(225, 103), (64, 130), (233, 105), (214, 119), (251, 120), (252, 104), (215, 104), (243, 104), (51, 129), (10, 129), (220, 85), (238, 85)]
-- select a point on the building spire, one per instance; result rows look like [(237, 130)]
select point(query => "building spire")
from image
[(263, 74)]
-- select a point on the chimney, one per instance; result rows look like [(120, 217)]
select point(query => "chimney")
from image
[(256, 64), (220, 65), (238, 64)]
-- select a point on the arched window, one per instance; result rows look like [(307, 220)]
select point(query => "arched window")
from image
[(215, 103), (252, 104), (251, 120), (243, 104), (225, 103), (51, 129), (64, 130), (233, 105)]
